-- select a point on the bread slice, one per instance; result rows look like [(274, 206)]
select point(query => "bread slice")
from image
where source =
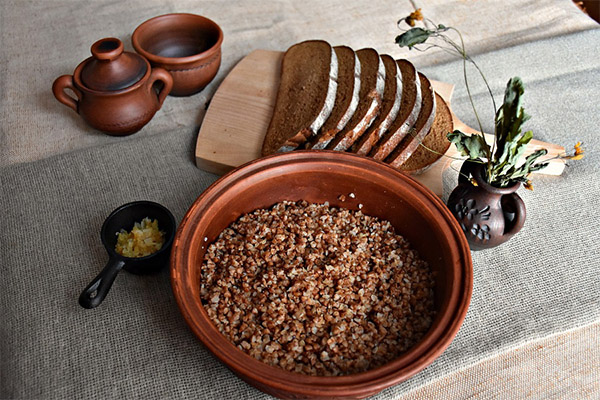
[(407, 117), (372, 85), (435, 143), (306, 95), (373, 77), (423, 125), (346, 98), (392, 97)]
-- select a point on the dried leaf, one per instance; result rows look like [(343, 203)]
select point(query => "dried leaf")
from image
[(413, 37), (510, 116), (472, 146)]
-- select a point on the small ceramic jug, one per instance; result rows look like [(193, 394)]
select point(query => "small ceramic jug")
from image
[(117, 92), (488, 215)]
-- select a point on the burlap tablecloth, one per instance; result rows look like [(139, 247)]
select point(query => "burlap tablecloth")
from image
[(59, 179)]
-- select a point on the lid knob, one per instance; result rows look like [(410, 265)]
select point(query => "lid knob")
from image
[(110, 68), (107, 49)]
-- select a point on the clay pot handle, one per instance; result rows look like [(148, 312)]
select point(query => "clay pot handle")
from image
[(58, 88), (516, 204), (162, 75)]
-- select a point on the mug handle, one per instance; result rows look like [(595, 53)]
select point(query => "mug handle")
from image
[(513, 201), (58, 88), (162, 75), (97, 290)]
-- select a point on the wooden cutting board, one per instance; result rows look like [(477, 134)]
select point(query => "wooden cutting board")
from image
[(240, 111)]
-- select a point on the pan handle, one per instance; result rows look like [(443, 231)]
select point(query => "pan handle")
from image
[(97, 290)]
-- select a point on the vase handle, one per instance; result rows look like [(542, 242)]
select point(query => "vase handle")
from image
[(513, 204)]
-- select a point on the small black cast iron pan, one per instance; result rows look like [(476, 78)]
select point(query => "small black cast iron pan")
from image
[(125, 217)]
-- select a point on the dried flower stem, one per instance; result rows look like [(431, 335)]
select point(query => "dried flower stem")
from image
[(502, 158)]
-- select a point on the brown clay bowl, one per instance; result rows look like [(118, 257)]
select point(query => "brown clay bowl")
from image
[(186, 45), (416, 213)]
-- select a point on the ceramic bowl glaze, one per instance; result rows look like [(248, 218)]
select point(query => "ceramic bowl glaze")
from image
[(186, 45), (415, 212)]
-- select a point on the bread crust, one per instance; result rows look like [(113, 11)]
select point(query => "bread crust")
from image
[(344, 108), (435, 143), (423, 125), (305, 98), (407, 117), (389, 110), (372, 89)]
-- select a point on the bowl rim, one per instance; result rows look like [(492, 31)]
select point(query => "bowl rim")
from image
[(166, 246), (175, 61), (361, 384)]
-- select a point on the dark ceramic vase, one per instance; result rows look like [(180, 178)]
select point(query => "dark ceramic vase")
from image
[(488, 215)]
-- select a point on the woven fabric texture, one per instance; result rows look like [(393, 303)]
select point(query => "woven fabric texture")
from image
[(43, 40)]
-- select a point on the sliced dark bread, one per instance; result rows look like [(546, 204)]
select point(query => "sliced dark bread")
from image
[(346, 98), (423, 125), (392, 98), (410, 108), (372, 85), (435, 143), (373, 76), (305, 97)]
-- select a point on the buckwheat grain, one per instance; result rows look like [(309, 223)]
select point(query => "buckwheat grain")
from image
[(317, 290)]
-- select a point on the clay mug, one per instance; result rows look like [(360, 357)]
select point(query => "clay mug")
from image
[(116, 92), (488, 215)]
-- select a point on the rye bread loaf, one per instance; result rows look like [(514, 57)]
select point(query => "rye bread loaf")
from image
[(392, 98), (410, 108), (435, 143), (346, 98), (372, 85), (305, 97), (423, 125)]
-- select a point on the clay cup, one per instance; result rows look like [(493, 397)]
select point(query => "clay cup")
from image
[(186, 45)]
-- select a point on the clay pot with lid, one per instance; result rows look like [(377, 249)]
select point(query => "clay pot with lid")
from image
[(116, 92)]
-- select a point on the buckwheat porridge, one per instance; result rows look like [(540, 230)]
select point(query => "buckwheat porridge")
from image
[(317, 290)]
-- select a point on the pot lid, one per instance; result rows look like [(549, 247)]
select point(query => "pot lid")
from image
[(110, 68)]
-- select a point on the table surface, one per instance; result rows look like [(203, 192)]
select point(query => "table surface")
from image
[(59, 179)]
